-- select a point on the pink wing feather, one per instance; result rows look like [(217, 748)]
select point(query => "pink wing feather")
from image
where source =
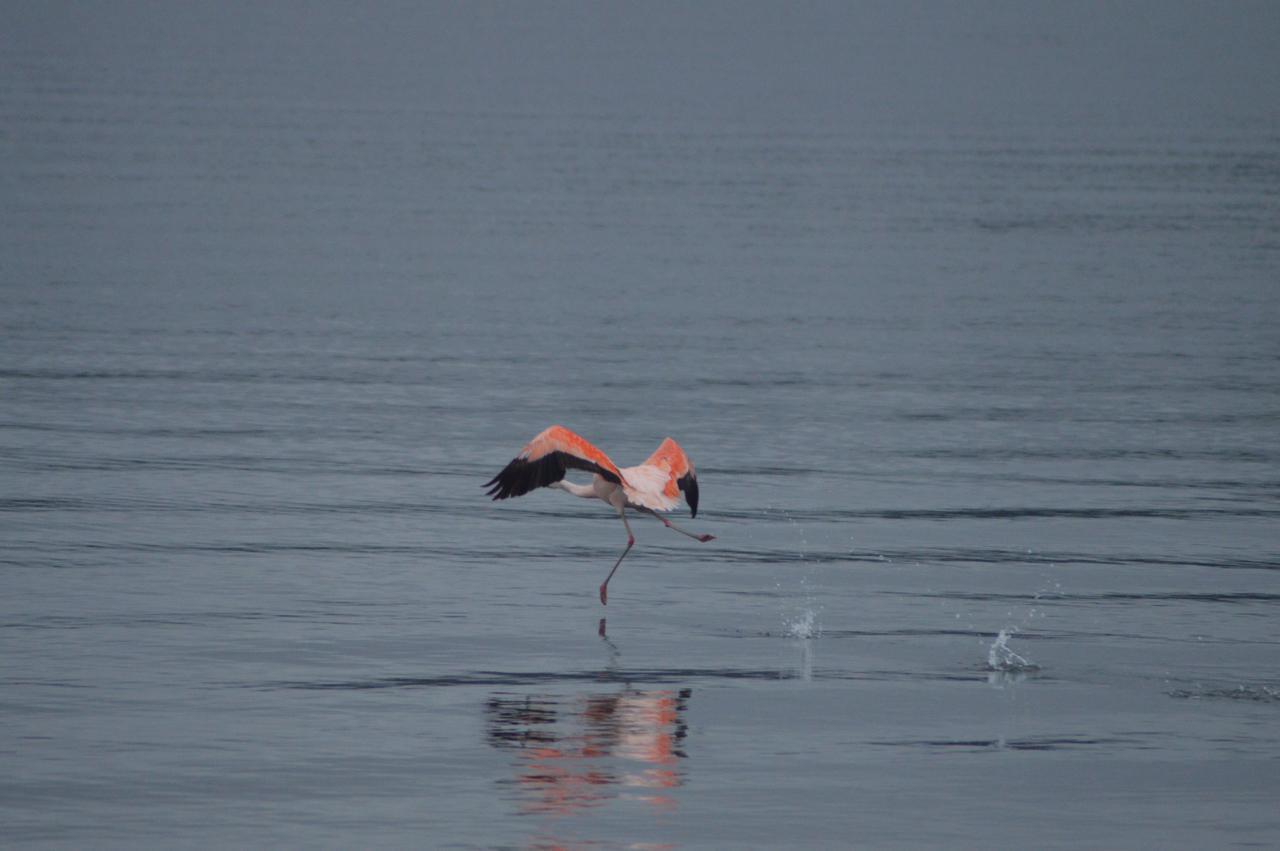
[(545, 459), (670, 458)]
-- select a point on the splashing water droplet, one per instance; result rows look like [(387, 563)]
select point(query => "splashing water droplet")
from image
[(1001, 658), (804, 625)]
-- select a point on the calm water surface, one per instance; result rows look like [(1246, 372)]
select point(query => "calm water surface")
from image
[(986, 421)]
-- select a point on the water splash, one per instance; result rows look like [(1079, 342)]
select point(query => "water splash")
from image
[(1002, 659), (804, 625), (804, 621), (1004, 666)]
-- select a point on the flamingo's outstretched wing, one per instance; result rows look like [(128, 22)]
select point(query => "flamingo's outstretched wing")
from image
[(680, 476), (544, 460), (648, 486)]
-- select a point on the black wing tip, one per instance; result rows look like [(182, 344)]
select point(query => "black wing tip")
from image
[(689, 484), (521, 476), (498, 484)]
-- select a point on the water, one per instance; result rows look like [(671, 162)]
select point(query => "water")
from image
[(985, 419)]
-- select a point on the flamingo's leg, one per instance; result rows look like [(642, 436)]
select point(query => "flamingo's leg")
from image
[(670, 525), (631, 540)]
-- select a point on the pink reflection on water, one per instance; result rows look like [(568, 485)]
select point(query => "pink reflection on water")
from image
[(582, 751)]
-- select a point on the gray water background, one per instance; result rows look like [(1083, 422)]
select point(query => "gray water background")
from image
[(968, 319)]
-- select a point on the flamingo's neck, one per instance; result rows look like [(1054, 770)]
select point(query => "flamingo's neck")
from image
[(584, 491)]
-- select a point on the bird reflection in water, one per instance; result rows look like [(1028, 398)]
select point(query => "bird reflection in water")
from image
[(581, 751)]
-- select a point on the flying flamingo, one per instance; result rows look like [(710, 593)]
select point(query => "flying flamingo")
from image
[(650, 487)]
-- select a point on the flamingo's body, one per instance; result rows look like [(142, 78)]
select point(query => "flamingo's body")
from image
[(650, 487)]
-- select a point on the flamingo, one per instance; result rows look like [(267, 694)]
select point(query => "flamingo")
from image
[(648, 488)]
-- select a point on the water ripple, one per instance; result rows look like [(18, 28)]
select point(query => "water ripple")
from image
[(1032, 743), (525, 678), (1269, 694)]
